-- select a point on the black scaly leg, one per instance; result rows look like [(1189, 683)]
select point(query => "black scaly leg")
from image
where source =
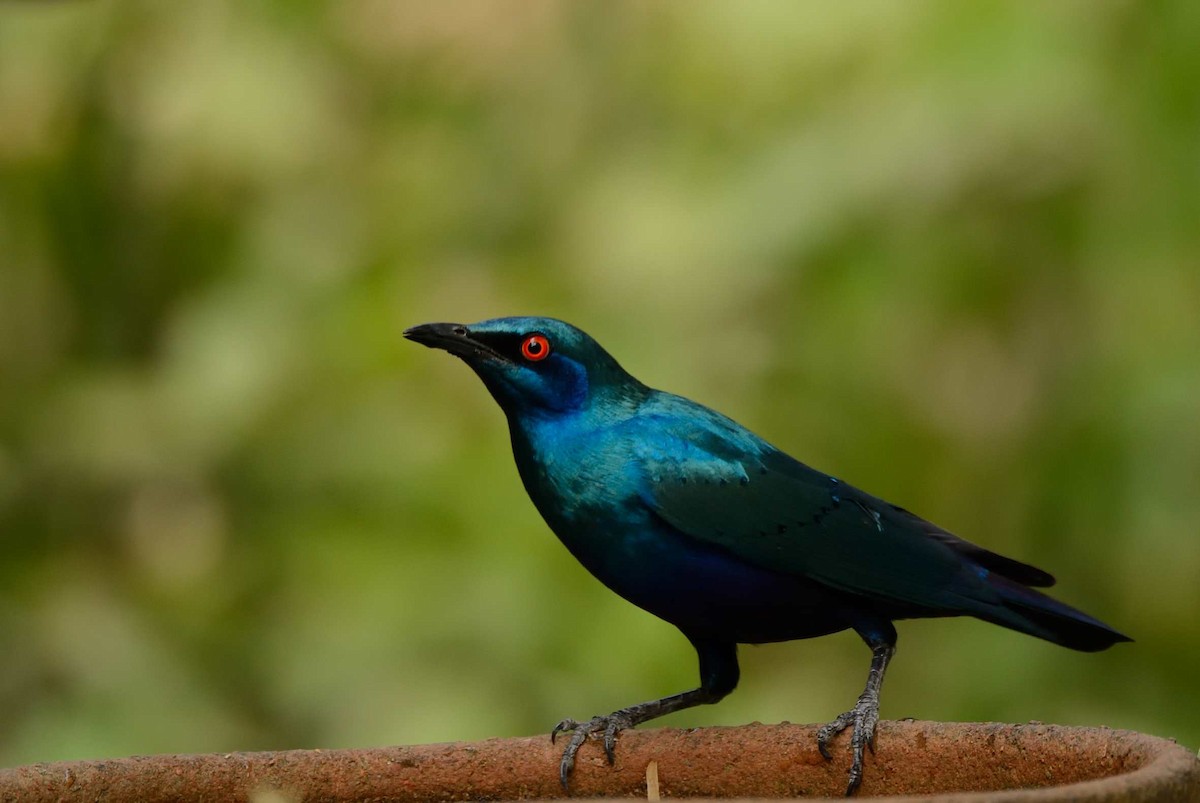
[(718, 677), (865, 714)]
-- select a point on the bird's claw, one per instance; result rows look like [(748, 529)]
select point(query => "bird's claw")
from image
[(567, 724), (609, 726), (864, 717)]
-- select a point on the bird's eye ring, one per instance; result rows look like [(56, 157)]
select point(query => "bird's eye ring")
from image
[(535, 348)]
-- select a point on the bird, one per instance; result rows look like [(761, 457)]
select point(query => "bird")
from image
[(694, 518)]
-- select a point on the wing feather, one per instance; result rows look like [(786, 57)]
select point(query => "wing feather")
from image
[(772, 511)]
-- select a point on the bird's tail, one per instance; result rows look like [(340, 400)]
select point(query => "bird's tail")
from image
[(1038, 615)]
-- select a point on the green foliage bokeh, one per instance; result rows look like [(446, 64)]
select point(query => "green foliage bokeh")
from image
[(949, 252)]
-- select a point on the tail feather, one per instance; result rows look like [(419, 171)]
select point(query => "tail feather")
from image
[(1033, 612)]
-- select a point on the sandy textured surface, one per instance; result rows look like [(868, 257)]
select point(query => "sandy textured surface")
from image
[(923, 759)]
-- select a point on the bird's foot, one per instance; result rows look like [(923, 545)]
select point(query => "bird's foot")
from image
[(864, 716), (608, 726)]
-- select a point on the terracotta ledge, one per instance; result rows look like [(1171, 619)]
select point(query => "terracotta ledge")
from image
[(930, 760)]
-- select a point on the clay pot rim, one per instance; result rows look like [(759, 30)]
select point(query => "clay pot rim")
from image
[(956, 762)]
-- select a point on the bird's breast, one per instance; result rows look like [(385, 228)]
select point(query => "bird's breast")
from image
[(590, 492)]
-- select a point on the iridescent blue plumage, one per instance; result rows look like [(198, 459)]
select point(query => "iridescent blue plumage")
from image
[(694, 518)]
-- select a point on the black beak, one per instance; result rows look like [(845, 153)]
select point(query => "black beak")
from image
[(452, 337)]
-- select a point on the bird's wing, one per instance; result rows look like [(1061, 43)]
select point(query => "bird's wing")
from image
[(1012, 569), (711, 483)]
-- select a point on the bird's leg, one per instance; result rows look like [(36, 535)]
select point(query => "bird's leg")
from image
[(611, 724), (865, 713), (718, 677)]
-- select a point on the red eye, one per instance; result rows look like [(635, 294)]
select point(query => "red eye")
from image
[(535, 347)]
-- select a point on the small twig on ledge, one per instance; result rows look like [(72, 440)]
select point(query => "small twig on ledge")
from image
[(652, 781)]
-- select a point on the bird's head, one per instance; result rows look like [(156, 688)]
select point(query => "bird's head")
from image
[(531, 365)]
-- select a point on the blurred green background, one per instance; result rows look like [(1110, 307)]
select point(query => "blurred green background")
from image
[(949, 252)]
